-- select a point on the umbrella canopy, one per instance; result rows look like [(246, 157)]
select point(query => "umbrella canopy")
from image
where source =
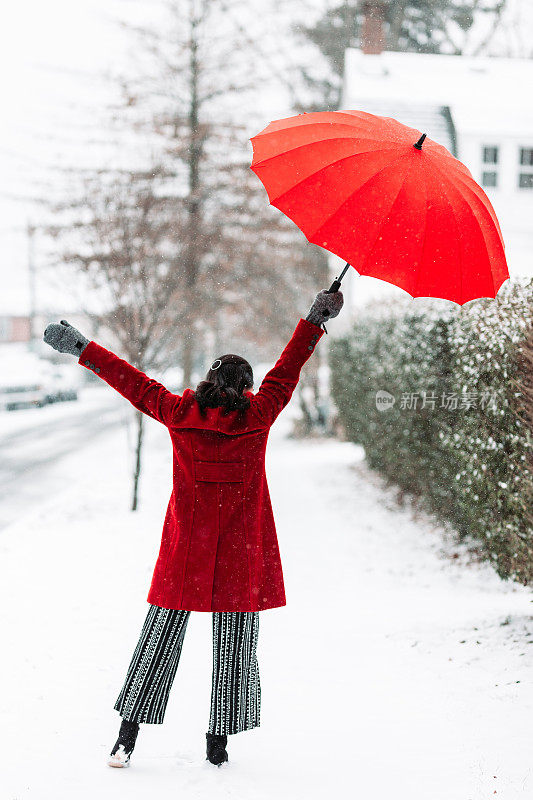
[(393, 203)]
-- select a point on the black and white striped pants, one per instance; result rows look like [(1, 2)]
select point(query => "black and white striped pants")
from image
[(236, 689)]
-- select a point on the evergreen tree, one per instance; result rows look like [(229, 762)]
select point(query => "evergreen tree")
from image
[(419, 26)]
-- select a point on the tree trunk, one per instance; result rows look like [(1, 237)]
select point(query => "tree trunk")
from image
[(187, 359), (306, 414), (396, 23), (138, 450), (350, 19), (194, 222)]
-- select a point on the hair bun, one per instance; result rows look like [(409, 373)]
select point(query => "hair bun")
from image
[(224, 388)]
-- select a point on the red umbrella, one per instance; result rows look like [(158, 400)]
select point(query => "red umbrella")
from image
[(382, 196)]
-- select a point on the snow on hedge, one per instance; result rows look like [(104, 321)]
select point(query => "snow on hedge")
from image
[(448, 424)]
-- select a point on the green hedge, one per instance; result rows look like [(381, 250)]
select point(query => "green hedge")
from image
[(457, 435)]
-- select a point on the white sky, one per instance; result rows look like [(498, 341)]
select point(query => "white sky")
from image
[(48, 53), (52, 57)]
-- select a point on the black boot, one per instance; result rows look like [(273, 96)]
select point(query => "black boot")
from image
[(121, 752), (216, 748)]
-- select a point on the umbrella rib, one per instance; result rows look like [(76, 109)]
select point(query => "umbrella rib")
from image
[(491, 212), (387, 166), (478, 222), (392, 126), (480, 228), (419, 271), (315, 141), (388, 215), (344, 158), (354, 128), (350, 115), (457, 228), (366, 139), (460, 177)]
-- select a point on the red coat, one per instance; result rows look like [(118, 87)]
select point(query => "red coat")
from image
[(219, 549)]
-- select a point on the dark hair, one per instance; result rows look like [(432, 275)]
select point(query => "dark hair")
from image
[(224, 384)]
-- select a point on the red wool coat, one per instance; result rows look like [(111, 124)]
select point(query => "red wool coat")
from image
[(219, 549)]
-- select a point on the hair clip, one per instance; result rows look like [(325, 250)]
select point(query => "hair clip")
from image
[(215, 362)]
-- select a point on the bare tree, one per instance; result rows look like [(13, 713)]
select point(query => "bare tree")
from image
[(179, 241), (123, 239), (196, 89)]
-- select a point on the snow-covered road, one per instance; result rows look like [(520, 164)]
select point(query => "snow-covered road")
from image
[(394, 671), (35, 445)]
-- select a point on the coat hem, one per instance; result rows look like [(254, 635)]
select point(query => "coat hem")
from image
[(191, 607)]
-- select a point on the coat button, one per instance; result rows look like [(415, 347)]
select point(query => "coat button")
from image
[(91, 366), (310, 347), (97, 370), (87, 363)]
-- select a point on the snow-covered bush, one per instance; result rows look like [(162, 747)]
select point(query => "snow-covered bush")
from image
[(437, 396)]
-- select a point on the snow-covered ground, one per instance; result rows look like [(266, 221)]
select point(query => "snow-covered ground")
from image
[(394, 671), (41, 448)]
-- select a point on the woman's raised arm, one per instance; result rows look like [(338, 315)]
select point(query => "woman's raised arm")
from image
[(280, 382), (146, 394)]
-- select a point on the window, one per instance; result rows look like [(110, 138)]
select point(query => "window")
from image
[(490, 155), (525, 180), (489, 179), (525, 177)]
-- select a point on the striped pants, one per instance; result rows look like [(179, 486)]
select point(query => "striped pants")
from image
[(236, 689)]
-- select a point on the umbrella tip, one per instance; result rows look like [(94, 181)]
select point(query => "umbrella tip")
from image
[(420, 142)]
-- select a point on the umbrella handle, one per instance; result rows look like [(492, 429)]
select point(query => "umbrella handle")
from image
[(335, 286)]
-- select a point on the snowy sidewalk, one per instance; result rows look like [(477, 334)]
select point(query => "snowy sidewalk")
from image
[(393, 672)]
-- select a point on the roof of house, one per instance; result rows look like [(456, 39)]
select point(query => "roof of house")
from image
[(485, 95)]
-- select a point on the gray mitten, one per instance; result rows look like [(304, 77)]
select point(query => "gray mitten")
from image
[(326, 306), (65, 339)]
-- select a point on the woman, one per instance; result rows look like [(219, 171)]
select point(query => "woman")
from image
[(219, 550)]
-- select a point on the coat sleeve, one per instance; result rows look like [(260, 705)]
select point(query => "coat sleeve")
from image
[(146, 394), (280, 382)]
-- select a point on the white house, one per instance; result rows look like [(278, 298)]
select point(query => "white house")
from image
[(480, 109)]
